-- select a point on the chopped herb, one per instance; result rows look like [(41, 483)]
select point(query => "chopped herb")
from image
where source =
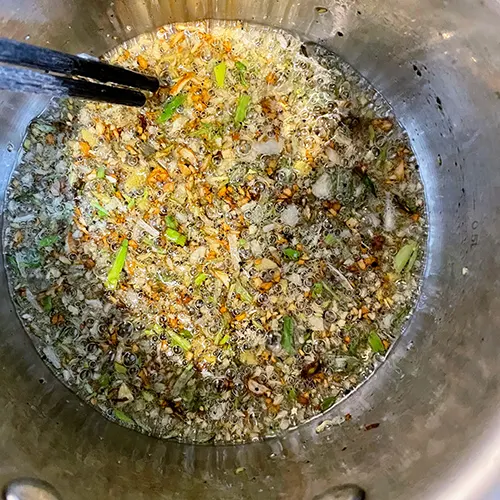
[(404, 256), (412, 260), (242, 109), (186, 334), (171, 222), (100, 209), (287, 340), (123, 416), (147, 396), (371, 134), (220, 74), (369, 184), (48, 241), (328, 402), (330, 239), (243, 294), (175, 237), (375, 342), (172, 105), (225, 339), (382, 156), (198, 281), (119, 368), (242, 69), (317, 290), (178, 340), (117, 267), (183, 379), (101, 173), (104, 380), (291, 253), (292, 394), (13, 263), (47, 303)]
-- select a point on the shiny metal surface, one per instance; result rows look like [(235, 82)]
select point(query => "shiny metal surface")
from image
[(437, 398)]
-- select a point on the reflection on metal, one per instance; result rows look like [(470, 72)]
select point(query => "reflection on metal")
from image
[(436, 398), (346, 492), (30, 489)]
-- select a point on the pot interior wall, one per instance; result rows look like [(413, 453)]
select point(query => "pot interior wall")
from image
[(436, 398)]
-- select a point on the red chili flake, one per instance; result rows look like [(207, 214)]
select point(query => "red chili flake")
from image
[(369, 427)]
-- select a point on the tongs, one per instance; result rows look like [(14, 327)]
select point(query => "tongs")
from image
[(60, 74)]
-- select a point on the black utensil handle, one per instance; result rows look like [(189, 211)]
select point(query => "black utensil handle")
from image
[(24, 80), (23, 54)]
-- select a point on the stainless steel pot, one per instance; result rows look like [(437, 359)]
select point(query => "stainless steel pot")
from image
[(437, 398)]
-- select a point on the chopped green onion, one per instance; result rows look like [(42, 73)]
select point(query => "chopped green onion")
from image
[(291, 253), (120, 368), (328, 402), (382, 156), (183, 379), (371, 133), (100, 209), (375, 342), (412, 261), (317, 290), (47, 303), (178, 340), (123, 417), (117, 267), (244, 295), (369, 184), (147, 396), (224, 340), (330, 240), (171, 222), (242, 109), (404, 256), (172, 105), (101, 173), (186, 334), (220, 74), (48, 241), (242, 242), (292, 394), (104, 380), (242, 69), (198, 281), (287, 341), (175, 237)]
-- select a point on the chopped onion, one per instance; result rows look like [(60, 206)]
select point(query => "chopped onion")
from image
[(290, 216), (323, 187), (233, 250), (146, 227), (270, 147)]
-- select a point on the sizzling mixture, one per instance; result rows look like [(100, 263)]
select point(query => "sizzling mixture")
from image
[(233, 258)]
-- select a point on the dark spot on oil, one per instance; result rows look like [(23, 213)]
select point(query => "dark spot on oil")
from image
[(339, 33), (497, 93), (321, 10), (440, 160), (41, 380), (417, 71), (358, 12)]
